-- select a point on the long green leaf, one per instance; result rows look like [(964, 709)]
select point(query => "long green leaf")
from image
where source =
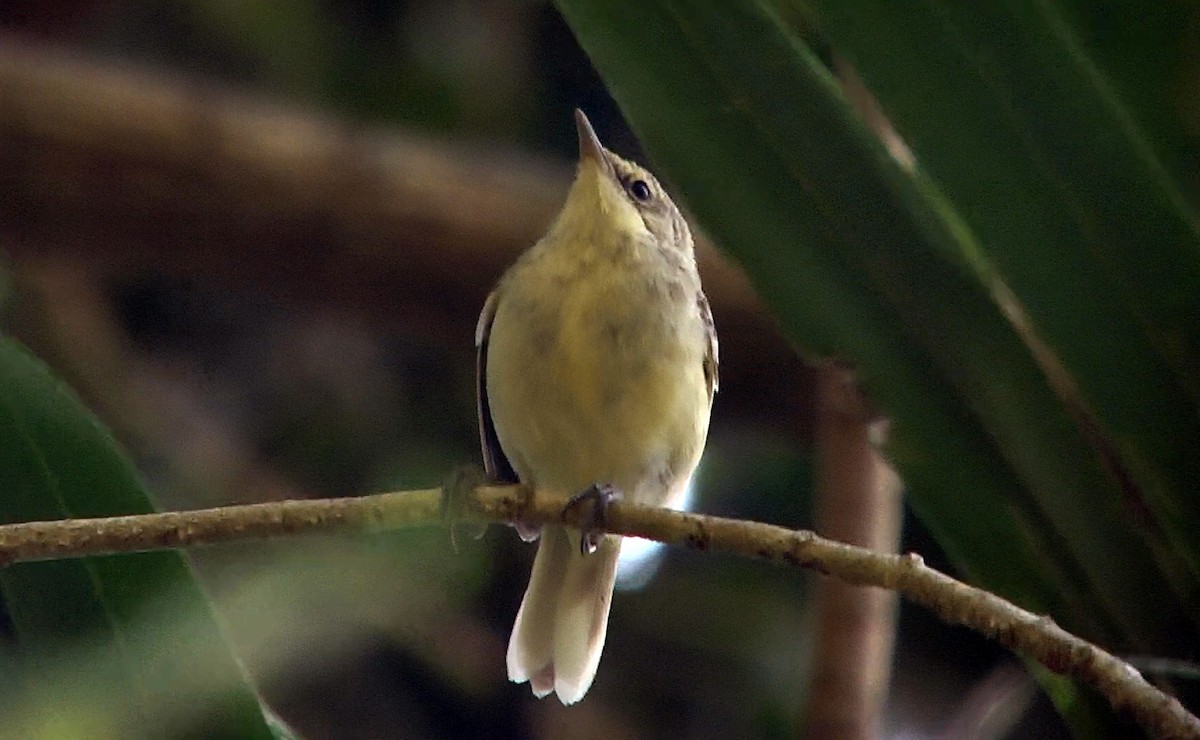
[(858, 258), (1145, 49), (57, 461), (1033, 147)]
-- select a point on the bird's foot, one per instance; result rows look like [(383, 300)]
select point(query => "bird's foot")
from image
[(456, 497), (598, 496)]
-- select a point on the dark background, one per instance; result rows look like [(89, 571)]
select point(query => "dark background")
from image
[(257, 354)]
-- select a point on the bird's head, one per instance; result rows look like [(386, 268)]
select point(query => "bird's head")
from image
[(611, 194)]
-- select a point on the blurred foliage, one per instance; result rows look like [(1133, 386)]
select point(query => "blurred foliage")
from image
[(58, 462), (458, 66), (1030, 175)]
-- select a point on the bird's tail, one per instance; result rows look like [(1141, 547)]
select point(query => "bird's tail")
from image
[(560, 628)]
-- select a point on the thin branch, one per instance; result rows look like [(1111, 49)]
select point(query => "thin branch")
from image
[(141, 532), (952, 600)]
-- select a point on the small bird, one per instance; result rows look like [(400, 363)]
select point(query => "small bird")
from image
[(597, 365)]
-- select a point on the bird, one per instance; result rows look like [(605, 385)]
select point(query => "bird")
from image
[(596, 371)]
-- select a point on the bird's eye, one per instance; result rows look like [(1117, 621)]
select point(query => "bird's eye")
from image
[(640, 191)]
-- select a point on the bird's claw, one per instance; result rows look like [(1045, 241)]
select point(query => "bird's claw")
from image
[(598, 496), (456, 495)]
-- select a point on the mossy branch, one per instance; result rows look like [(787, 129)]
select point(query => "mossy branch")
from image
[(957, 603)]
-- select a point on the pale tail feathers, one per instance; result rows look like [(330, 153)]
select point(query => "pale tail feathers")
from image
[(531, 647), (528, 532), (560, 628)]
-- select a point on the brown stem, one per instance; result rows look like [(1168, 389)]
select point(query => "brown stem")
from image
[(858, 502)]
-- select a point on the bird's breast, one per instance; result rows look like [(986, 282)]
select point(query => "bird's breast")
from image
[(599, 379)]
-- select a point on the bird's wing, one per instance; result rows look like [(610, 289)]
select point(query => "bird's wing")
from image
[(495, 463), (710, 356)]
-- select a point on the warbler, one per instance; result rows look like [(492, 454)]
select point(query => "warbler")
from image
[(597, 365)]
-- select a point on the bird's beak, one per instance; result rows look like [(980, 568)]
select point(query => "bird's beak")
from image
[(590, 147)]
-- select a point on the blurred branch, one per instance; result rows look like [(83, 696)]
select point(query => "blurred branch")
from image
[(954, 601), (858, 501), (994, 706), (132, 171)]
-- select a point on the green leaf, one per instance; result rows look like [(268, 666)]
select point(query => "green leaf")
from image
[(57, 461), (862, 259), (1031, 145), (1146, 50)]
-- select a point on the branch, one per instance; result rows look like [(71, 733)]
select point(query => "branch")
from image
[(952, 600)]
